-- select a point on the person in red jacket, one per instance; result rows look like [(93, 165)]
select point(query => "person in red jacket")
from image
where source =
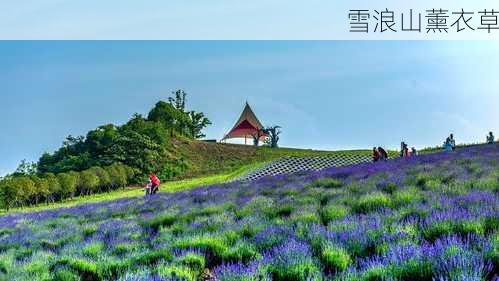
[(155, 182)]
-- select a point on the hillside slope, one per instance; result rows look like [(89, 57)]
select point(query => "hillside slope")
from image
[(205, 158), (431, 217)]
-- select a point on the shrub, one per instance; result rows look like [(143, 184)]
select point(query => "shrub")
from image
[(85, 269), (371, 202), (151, 257), (214, 245), (332, 212), (405, 197), (193, 260), (335, 258), (165, 219), (243, 251), (93, 250), (305, 217), (292, 261), (327, 183), (177, 272)]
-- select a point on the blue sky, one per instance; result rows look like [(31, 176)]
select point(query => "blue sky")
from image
[(214, 19), (325, 94)]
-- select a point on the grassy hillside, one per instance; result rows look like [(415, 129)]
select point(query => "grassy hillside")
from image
[(204, 158), (431, 217)]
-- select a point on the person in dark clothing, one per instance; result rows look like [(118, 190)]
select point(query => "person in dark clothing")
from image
[(383, 155), (404, 150), (452, 142), (376, 155), (490, 138)]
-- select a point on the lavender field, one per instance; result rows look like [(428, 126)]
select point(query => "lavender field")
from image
[(431, 217)]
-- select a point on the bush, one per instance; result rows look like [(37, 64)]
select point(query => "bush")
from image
[(405, 197), (335, 258), (371, 202), (214, 245), (176, 272), (332, 212), (327, 183), (165, 219), (193, 260), (241, 252)]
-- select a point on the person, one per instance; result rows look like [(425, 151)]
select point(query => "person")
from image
[(414, 151), (447, 144), (148, 187), (490, 138), (403, 148), (452, 141), (383, 155), (154, 184), (376, 155)]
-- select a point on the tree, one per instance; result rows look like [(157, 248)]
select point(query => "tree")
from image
[(273, 133), (54, 187), (9, 193), (257, 136), (178, 100), (42, 190), (87, 183), (117, 175), (104, 179), (25, 168), (197, 123), (68, 182), (24, 190), (137, 150), (174, 115)]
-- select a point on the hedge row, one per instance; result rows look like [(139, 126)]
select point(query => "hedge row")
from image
[(20, 191)]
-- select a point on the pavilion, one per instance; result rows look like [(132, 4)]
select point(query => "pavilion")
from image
[(247, 126)]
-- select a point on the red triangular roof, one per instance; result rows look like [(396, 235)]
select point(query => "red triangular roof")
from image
[(246, 126)]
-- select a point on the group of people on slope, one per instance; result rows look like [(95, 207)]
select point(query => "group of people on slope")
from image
[(406, 152), (379, 154)]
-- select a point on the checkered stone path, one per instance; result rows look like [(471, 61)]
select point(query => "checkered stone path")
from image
[(289, 165)]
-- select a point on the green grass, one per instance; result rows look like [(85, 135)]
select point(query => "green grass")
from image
[(209, 163), (171, 186), (203, 158)]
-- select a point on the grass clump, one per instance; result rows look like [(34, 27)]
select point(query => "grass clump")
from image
[(371, 202), (163, 220), (335, 259), (93, 250), (177, 272), (241, 252), (326, 183), (332, 212)]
